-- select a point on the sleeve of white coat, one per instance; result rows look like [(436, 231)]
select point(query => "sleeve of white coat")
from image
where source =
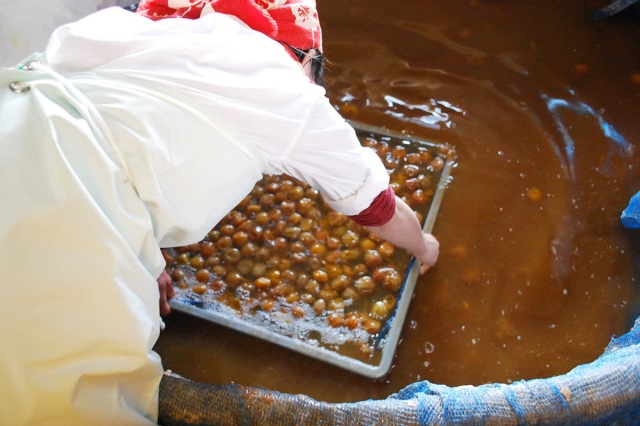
[(264, 96), (328, 156)]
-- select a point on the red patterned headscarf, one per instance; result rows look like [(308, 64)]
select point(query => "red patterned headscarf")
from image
[(291, 22)]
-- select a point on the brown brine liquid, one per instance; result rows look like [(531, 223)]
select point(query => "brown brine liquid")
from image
[(540, 102)]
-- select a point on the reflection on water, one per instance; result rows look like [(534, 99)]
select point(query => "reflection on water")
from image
[(535, 274), (618, 144), (429, 115)]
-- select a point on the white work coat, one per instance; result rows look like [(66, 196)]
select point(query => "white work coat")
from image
[(138, 135)]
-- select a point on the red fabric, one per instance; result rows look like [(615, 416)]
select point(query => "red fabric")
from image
[(380, 211), (292, 22)]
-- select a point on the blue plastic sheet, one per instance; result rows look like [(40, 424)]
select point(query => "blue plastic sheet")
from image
[(630, 217), (613, 8)]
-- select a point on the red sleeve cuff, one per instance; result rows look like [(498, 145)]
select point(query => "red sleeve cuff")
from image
[(380, 211)]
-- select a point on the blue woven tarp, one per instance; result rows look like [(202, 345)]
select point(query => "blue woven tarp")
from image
[(604, 392)]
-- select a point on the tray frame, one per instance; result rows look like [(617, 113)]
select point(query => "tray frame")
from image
[(389, 336)]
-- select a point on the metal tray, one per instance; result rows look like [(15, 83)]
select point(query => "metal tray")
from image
[(286, 334)]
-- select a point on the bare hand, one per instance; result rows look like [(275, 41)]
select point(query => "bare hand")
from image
[(167, 292), (430, 256), (404, 230)]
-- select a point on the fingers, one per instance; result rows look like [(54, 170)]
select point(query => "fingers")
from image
[(167, 292), (165, 309), (431, 254), (171, 291), (424, 268)]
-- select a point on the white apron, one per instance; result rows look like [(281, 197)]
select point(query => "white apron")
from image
[(85, 208)]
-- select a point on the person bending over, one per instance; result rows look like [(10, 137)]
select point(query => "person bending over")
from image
[(128, 135)]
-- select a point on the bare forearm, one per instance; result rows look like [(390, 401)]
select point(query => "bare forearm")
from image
[(404, 231)]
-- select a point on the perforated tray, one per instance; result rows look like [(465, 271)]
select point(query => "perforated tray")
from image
[(294, 334)]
